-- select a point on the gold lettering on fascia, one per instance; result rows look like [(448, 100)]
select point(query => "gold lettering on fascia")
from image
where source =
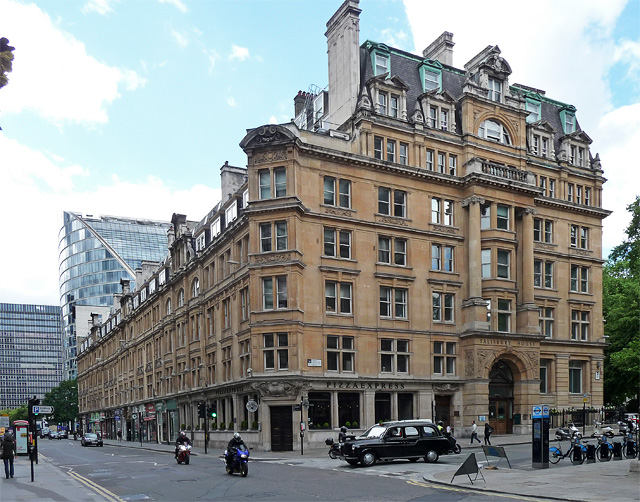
[(509, 343), (366, 385)]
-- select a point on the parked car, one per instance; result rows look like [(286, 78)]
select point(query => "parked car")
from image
[(91, 439), (406, 439)]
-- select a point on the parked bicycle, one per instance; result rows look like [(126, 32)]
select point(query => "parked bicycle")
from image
[(556, 454), (604, 450), (630, 447)]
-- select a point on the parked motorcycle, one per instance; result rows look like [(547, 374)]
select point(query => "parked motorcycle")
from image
[(237, 460), (184, 453), (568, 433), (334, 448), (598, 430), (454, 447)]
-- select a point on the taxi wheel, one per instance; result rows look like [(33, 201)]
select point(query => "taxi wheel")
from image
[(368, 458), (431, 456)]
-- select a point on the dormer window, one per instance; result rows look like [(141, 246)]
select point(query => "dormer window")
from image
[(569, 123), (533, 107), (430, 80), (495, 90), (431, 75), (382, 63), (494, 131)]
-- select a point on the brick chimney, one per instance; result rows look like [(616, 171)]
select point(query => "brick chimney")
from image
[(343, 49)]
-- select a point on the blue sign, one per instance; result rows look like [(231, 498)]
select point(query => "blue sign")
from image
[(537, 412), (545, 411)]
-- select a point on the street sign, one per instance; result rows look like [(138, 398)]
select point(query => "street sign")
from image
[(545, 411), (134, 416), (537, 412), (46, 410)]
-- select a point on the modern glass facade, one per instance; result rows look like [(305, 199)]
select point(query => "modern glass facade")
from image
[(30, 356), (95, 253)]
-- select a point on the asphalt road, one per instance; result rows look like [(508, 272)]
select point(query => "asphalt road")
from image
[(132, 475)]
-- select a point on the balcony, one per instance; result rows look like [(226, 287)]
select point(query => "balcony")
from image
[(507, 173)]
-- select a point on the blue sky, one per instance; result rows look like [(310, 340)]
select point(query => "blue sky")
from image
[(130, 108)]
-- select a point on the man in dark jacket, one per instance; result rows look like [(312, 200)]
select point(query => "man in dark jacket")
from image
[(235, 443), (8, 452), (182, 439)]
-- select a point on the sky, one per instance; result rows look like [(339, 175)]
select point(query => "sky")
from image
[(130, 107)]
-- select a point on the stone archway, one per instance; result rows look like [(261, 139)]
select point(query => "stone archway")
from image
[(501, 397)]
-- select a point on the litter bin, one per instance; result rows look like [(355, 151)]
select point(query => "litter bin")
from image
[(591, 454)]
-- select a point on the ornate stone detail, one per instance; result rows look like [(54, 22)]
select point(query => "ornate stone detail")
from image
[(270, 156), (446, 387), (278, 389), (269, 134), (272, 257), (580, 252), (468, 363), (393, 221), (417, 117), (544, 247), (474, 199), (337, 212), (444, 229)]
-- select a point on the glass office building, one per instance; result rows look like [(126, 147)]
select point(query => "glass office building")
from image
[(30, 356), (95, 253)]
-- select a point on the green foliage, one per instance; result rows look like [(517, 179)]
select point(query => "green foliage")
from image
[(244, 425), (64, 399), (621, 310), (254, 425), (354, 425), (347, 424), (20, 413)]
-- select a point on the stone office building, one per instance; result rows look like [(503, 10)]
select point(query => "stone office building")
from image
[(423, 241)]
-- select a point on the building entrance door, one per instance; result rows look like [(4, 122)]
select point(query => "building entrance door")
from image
[(443, 409), (281, 428), (501, 398)]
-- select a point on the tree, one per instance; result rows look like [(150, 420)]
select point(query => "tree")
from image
[(20, 413), (621, 310), (64, 400)]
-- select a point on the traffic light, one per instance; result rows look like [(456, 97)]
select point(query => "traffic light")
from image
[(30, 404), (213, 410), (201, 410)]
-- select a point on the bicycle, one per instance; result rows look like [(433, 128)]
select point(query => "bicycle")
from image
[(630, 447), (604, 450), (556, 454)]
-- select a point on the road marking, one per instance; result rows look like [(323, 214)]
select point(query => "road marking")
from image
[(96, 487)]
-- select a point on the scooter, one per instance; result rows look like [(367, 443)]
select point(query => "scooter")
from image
[(184, 453), (454, 447), (334, 448), (237, 460), (598, 430), (567, 433)]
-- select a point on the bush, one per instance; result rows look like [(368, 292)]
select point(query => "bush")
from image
[(197, 427), (183, 426), (254, 425), (347, 424), (244, 425), (354, 425), (326, 425), (213, 426)]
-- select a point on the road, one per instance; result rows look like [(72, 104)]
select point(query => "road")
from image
[(131, 475)]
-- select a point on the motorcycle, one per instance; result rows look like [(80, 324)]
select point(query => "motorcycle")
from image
[(334, 448), (598, 430), (237, 460), (184, 453), (454, 447), (568, 433)]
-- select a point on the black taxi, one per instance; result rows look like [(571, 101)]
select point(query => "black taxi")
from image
[(407, 439)]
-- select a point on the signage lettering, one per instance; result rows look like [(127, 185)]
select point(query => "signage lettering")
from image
[(366, 385)]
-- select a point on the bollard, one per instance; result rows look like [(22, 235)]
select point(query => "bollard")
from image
[(591, 454), (617, 451)]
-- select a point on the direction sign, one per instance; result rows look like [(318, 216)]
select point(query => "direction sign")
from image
[(46, 410)]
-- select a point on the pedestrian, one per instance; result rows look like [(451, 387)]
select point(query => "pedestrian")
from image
[(8, 450), (474, 432), (119, 435), (487, 433)]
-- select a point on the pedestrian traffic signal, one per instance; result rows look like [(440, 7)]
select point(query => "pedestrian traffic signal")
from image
[(201, 410)]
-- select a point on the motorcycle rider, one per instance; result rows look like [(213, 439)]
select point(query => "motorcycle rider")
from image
[(440, 426), (182, 439), (343, 436), (235, 443)]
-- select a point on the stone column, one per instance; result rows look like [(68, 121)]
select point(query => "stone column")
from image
[(235, 399), (527, 313), (335, 417), (368, 409)]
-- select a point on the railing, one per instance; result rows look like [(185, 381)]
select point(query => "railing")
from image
[(510, 173), (579, 417)]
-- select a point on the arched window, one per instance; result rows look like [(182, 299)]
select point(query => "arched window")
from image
[(181, 298), (494, 131), (169, 306), (195, 288)]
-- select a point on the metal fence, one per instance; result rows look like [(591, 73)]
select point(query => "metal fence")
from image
[(587, 417)]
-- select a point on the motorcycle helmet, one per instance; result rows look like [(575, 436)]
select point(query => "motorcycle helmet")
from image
[(236, 436), (183, 434), (344, 428), (440, 422)]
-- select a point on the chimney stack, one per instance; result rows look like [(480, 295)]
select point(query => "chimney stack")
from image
[(441, 49)]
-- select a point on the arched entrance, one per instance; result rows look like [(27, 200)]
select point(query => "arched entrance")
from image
[(501, 398)]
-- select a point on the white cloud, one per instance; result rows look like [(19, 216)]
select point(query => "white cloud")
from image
[(240, 53), (212, 56), (74, 87), (567, 49), (180, 39), (231, 101), (273, 120), (40, 186), (102, 7), (178, 4), (395, 38)]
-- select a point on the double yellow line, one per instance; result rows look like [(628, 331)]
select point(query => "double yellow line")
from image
[(95, 487)]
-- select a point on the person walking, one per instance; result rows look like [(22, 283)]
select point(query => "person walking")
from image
[(487, 433), (474, 432), (119, 435), (8, 449)]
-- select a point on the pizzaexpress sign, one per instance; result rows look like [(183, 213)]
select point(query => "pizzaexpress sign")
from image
[(366, 385)]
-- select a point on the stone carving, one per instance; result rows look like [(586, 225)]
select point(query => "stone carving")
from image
[(277, 389), (444, 229), (337, 212), (417, 117), (545, 247), (468, 363), (269, 134), (446, 387), (393, 221), (474, 199), (270, 156), (272, 257)]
